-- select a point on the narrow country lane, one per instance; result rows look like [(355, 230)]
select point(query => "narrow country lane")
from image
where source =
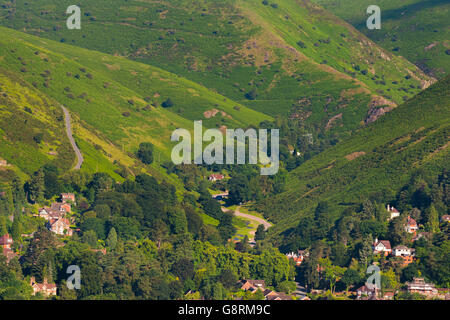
[(71, 139)]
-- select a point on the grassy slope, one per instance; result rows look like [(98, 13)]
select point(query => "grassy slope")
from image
[(102, 107), (412, 137), (410, 25), (232, 47), (18, 127)]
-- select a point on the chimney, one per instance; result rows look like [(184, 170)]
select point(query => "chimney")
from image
[(388, 208)]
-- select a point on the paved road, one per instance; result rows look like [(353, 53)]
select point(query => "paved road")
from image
[(72, 141), (266, 224)]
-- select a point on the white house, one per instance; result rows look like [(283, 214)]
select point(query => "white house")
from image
[(403, 251), (393, 212), (382, 246)]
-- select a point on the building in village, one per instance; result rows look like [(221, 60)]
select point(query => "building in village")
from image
[(407, 254), (418, 285), (216, 177), (60, 226), (411, 226), (6, 241), (382, 246), (46, 289), (67, 197), (393, 213), (298, 256)]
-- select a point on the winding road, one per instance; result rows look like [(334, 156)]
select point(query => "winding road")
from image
[(247, 216), (265, 223), (72, 140)]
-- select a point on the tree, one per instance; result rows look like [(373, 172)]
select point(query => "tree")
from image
[(238, 187), (225, 227), (287, 286), (3, 229), (145, 152), (228, 278), (243, 245), (183, 268), (432, 223), (51, 182), (350, 277), (332, 273), (167, 103), (90, 237), (177, 220), (111, 240), (260, 233), (322, 219), (16, 229), (365, 251), (251, 95), (36, 187)]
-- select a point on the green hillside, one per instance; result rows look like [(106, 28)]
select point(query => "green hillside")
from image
[(415, 29), (292, 59), (377, 160), (32, 130), (120, 98)]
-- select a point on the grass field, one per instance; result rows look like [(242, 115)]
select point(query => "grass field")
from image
[(379, 159), (415, 29), (294, 60)]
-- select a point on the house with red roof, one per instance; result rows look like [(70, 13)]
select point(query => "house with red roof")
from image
[(6, 241), (382, 246), (60, 226), (47, 289), (253, 285), (216, 177), (411, 225), (67, 197)]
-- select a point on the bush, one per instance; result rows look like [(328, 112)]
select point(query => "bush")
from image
[(301, 44), (38, 138), (167, 104), (145, 152), (251, 95)]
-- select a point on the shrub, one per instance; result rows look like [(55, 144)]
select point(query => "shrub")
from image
[(251, 95), (167, 104), (126, 114), (301, 44), (145, 152), (38, 138)]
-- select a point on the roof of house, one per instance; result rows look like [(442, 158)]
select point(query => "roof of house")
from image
[(256, 283), (385, 243), (411, 222), (392, 209), (216, 176), (365, 288), (401, 247)]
